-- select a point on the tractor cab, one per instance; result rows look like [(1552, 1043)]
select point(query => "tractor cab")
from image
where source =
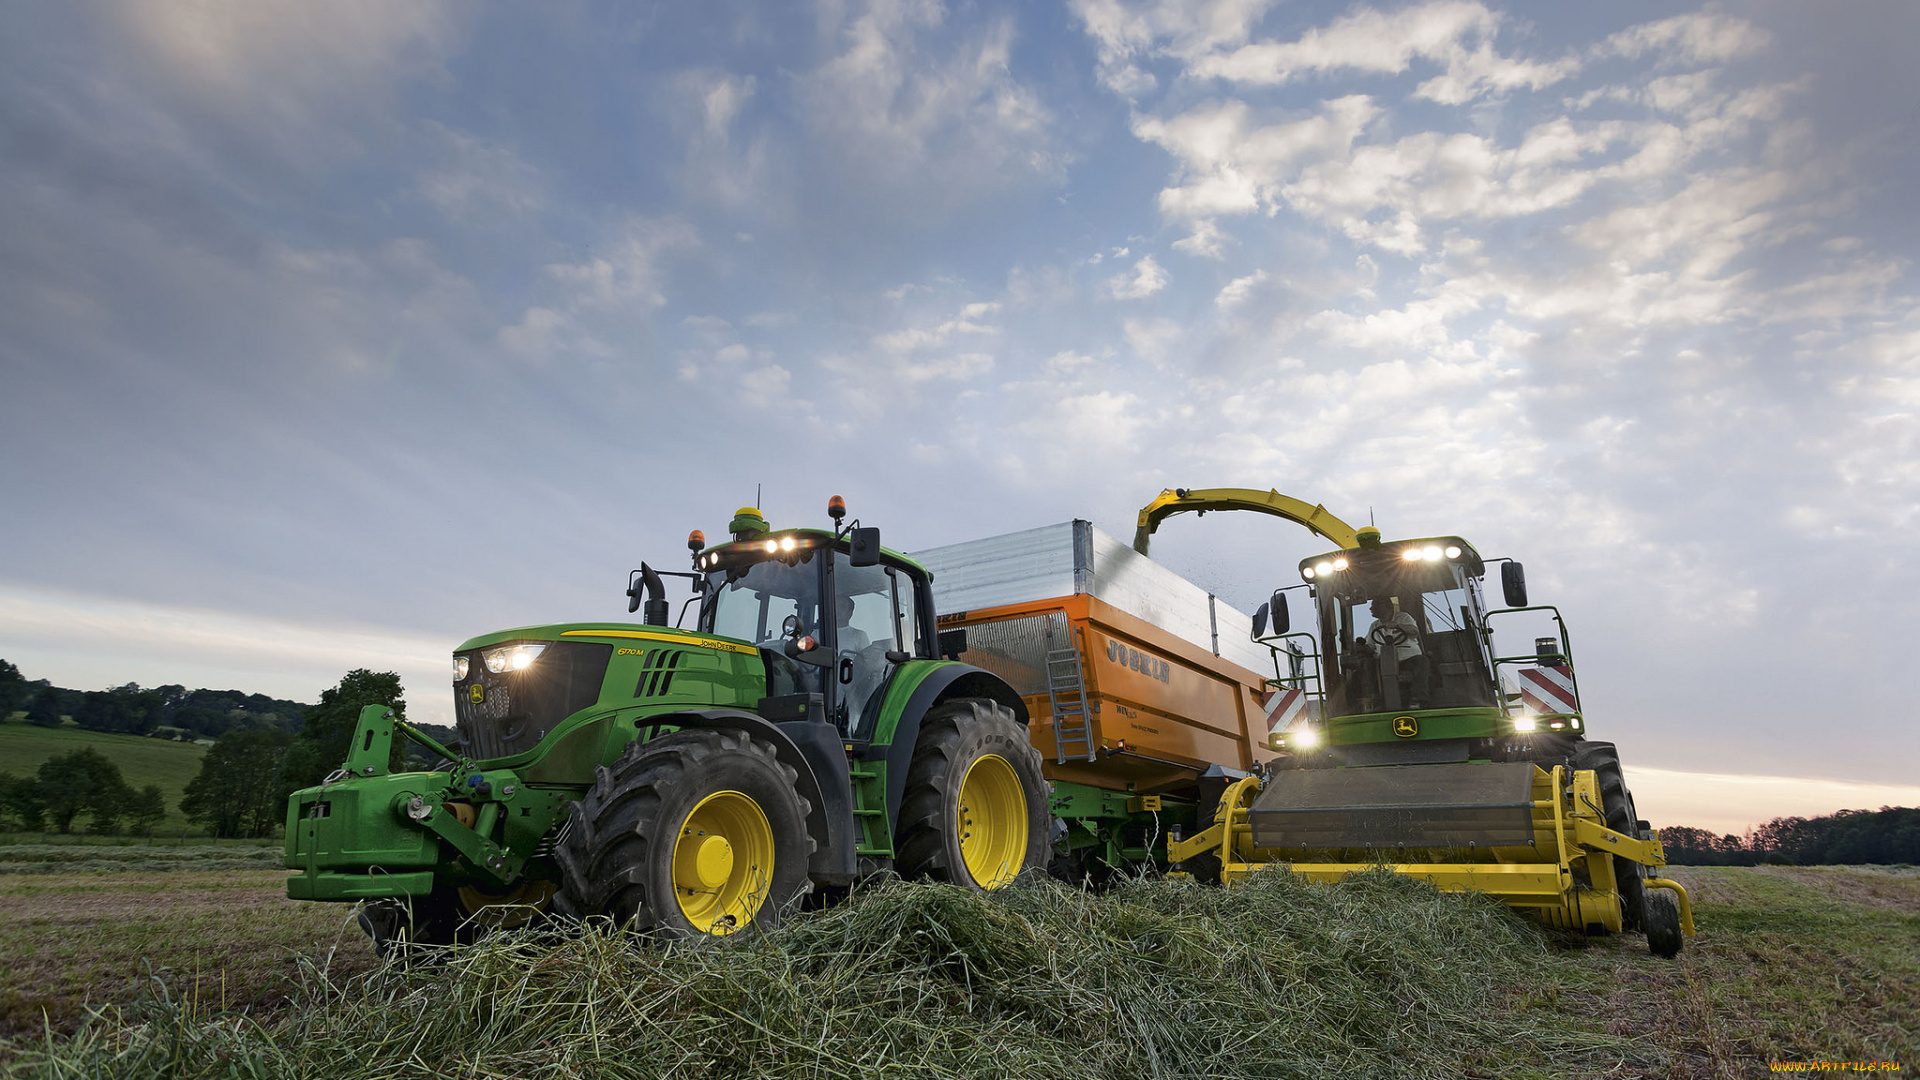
[(1401, 627), (831, 612)]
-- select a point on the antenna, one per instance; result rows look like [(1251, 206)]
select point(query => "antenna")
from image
[(756, 497), (1370, 516)]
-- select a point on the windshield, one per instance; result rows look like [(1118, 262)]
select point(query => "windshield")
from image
[(1403, 636), (752, 602)]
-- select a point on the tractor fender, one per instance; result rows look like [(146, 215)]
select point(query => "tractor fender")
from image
[(949, 680), (818, 757)]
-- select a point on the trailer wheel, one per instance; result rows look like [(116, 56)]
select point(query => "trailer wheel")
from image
[(1616, 805), (1663, 924), (975, 807), (697, 832)]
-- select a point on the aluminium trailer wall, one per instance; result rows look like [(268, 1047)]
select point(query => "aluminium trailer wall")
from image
[(1166, 678)]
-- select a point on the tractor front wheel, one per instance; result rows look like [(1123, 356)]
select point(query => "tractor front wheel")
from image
[(697, 832), (1616, 803), (433, 919), (975, 808), (1663, 924)]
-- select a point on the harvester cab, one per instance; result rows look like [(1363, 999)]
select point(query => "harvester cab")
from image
[(689, 781), (1404, 656)]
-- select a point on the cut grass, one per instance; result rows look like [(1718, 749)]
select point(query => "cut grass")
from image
[(142, 761), (1378, 976), (1792, 964), (228, 940)]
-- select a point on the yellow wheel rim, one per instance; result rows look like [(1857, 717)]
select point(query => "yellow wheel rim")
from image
[(507, 910), (993, 821), (723, 863)]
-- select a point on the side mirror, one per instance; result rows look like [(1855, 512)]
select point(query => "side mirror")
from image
[(864, 547), (1259, 622), (1282, 622), (1513, 583)]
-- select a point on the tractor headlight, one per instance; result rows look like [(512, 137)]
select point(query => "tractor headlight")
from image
[(513, 657), (1304, 739), (1453, 551), (459, 669), (1525, 723)]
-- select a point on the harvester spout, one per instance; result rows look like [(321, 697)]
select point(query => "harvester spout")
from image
[(1200, 500)]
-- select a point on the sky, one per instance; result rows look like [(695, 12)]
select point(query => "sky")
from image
[(334, 334)]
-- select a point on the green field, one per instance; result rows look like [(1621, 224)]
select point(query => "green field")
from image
[(142, 761), (217, 974)]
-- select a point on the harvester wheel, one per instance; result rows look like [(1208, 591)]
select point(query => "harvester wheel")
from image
[(975, 808), (697, 832), (1663, 924), (1616, 804)]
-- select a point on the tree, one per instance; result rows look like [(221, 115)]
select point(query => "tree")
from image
[(14, 690), (19, 802), (322, 744), (82, 781), (147, 808), (239, 789), (44, 709)]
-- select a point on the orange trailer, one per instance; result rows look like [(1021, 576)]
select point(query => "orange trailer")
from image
[(1136, 679)]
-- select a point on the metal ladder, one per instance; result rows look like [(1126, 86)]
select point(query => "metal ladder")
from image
[(1067, 697)]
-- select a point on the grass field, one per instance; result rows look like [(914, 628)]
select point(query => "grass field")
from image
[(1371, 978), (142, 761)]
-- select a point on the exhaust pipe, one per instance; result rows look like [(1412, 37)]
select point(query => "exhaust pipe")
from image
[(647, 578)]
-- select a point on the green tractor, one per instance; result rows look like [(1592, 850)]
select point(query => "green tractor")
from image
[(689, 782)]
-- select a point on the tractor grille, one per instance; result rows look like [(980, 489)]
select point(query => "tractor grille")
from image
[(510, 712)]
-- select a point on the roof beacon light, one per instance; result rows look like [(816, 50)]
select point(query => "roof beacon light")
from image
[(696, 540), (836, 508)]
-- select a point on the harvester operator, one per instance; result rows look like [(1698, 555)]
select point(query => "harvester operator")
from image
[(1398, 630)]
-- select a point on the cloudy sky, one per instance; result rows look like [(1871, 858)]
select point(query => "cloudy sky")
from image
[(332, 334)]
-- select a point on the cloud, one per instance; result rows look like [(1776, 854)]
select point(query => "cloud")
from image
[(292, 73), (476, 180), (1128, 34), (1147, 279), (949, 116), (1458, 36), (622, 284), (1235, 292), (1699, 37)]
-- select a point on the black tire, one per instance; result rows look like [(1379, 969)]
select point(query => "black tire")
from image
[(956, 736), (1663, 924), (1616, 805), (433, 919), (617, 853)]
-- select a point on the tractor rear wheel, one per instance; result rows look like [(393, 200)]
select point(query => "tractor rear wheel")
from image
[(975, 807), (697, 832), (1616, 804), (1663, 924)]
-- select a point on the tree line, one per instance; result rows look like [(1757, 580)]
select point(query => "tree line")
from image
[(243, 783), (1887, 836), (135, 710)]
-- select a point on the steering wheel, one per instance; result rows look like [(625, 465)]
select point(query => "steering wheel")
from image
[(1384, 633)]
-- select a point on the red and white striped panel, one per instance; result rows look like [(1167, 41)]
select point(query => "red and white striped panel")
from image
[(1283, 707), (1548, 690)]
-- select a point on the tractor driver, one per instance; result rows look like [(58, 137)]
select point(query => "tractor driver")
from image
[(1398, 631), (852, 639)]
